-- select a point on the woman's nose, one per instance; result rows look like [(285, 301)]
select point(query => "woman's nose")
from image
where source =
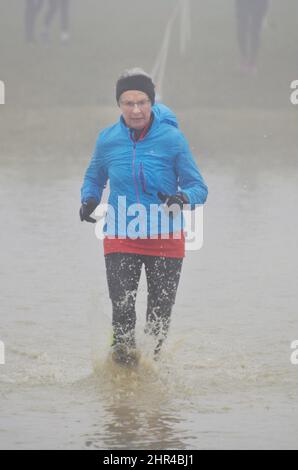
[(136, 109)]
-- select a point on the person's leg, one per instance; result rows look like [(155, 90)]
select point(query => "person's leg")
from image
[(242, 16), (32, 9), (258, 12), (123, 274), (38, 5), (163, 276), (64, 16), (53, 6), (29, 20)]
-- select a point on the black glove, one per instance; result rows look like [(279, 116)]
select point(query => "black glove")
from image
[(87, 208), (180, 199)]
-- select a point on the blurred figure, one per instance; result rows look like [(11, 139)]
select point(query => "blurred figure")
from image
[(54, 7), (250, 20), (32, 8)]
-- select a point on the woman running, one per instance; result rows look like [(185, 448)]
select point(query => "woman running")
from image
[(153, 175)]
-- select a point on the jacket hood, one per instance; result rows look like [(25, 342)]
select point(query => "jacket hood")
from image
[(165, 114)]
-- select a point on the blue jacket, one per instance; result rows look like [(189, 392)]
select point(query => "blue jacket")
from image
[(136, 171)]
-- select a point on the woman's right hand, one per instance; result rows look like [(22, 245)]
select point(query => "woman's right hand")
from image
[(86, 209)]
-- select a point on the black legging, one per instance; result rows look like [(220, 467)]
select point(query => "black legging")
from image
[(250, 18), (123, 275)]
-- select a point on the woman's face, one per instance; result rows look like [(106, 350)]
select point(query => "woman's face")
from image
[(136, 108)]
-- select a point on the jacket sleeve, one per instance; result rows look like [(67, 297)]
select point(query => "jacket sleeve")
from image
[(190, 180), (96, 175)]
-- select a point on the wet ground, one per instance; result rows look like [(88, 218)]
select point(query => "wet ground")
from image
[(224, 380)]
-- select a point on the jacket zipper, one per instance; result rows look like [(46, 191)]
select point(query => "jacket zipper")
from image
[(142, 179), (134, 170)]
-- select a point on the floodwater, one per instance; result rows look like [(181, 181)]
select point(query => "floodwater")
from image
[(224, 380)]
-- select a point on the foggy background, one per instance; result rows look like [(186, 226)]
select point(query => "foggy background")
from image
[(226, 380), (61, 88)]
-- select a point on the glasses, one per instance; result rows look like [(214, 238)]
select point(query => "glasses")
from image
[(131, 105)]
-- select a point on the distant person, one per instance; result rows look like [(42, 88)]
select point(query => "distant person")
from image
[(54, 8), (250, 19), (32, 8)]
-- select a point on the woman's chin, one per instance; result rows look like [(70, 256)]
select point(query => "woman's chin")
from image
[(138, 124)]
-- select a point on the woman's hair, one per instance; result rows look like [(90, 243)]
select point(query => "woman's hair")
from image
[(132, 72)]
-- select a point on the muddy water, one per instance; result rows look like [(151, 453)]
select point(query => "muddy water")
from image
[(224, 380)]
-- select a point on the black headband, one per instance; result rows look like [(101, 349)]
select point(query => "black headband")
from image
[(136, 82)]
